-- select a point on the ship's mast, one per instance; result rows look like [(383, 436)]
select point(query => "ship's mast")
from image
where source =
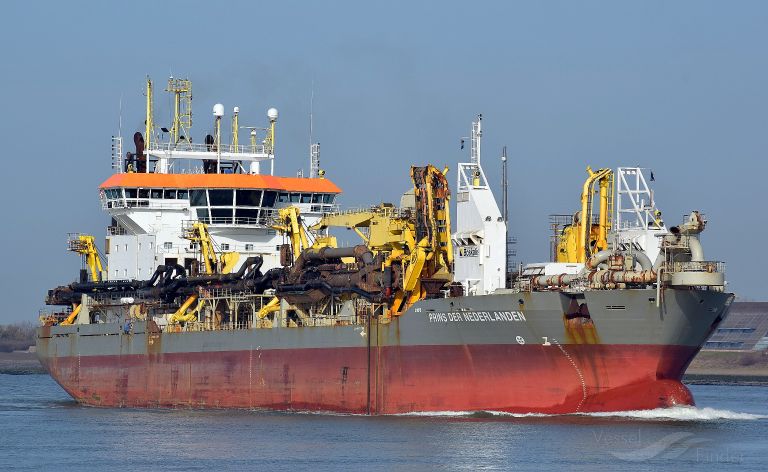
[(314, 148), (270, 141), (314, 155), (149, 120), (218, 112), (505, 205), (235, 129), (182, 107), (474, 153), (181, 149), (477, 134)]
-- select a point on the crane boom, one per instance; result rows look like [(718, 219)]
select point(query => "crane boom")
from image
[(406, 253), (197, 232), (85, 245)]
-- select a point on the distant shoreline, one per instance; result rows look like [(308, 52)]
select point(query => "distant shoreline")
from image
[(20, 363)]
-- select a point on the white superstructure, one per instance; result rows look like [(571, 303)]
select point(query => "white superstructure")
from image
[(159, 190), (481, 235)]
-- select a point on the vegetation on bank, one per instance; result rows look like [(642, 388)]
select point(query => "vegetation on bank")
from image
[(17, 337)]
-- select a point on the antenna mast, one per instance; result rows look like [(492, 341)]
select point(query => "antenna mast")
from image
[(150, 120), (314, 148), (504, 185), (182, 107), (477, 134), (505, 213)]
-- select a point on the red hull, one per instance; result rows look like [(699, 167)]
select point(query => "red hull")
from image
[(513, 378)]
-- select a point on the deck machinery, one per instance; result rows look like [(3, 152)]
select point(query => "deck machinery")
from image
[(224, 286)]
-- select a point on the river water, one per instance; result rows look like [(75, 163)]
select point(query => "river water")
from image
[(43, 429)]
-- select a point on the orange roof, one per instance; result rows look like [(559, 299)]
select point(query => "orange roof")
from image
[(295, 184)]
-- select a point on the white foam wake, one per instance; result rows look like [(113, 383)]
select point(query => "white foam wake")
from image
[(683, 413), (677, 413)]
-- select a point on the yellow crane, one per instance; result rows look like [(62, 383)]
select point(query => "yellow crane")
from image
[(582, 238), (197, 232), (417, 240), (182, 315), (290, 224), (85, 245)]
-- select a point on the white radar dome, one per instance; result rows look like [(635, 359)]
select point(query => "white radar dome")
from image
[(218, 110), (237, 110), (272, 114)]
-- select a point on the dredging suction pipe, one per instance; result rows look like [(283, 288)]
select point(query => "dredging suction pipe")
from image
[(692, 227), (594, 269), (595, 275)]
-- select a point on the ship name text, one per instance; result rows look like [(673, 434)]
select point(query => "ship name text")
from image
[(485, 316)]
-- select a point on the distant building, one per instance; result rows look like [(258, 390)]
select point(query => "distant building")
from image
[(744, 329)]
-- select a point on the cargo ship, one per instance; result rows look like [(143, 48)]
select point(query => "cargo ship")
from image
[(222, 285)]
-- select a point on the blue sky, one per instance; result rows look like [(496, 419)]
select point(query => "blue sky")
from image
[(676, 86)]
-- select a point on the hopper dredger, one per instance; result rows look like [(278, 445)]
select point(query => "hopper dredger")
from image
[(221, 285)]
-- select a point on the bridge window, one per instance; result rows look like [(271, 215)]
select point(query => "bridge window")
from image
[(221, 215), (249, 247), (317, 198), (183, 194), (169, 194), (220, 197), (143, 193), (269, 199), (248, 197), (198, 198), (130, 193), (306, 198), (295, 197), (328, 198), (283, 197), (246, 216), (156, 193)]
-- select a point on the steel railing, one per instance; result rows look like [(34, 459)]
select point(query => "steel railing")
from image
[(698, 266), (202, 147)]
